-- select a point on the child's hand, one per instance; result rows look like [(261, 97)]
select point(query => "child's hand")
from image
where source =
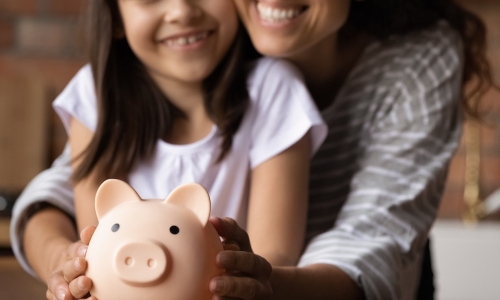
[(248, 275), (68, 281)]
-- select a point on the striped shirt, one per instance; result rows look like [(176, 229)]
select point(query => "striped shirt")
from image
[(377, 180)]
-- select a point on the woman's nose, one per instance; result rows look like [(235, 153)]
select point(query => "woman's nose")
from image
[(181, 11)]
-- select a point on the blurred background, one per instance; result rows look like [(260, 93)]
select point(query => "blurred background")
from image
[(41, 50)]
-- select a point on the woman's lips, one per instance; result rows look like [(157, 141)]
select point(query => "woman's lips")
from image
[(278, 15)]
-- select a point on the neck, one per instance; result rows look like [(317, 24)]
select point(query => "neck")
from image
[(188, 98), (320, 66), (327, 64)]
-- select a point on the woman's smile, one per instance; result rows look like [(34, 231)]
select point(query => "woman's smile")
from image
[(287, 28), (277, 15)]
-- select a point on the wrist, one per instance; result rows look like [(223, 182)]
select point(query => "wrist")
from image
[(313, 282), (56, 254), (48, 233)]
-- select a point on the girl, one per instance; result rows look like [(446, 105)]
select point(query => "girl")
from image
[(177, 102)]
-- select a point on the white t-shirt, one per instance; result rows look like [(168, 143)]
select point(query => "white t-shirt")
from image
[(279, 114)]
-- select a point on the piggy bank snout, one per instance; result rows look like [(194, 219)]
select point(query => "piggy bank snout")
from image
[(140, 262)]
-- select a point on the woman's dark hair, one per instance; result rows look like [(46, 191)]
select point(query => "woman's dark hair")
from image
[(133, 114), (382, 18)]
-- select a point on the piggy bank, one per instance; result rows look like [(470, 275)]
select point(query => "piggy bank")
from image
[(154, 249)]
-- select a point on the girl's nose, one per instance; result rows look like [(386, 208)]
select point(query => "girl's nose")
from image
[(182, 11)]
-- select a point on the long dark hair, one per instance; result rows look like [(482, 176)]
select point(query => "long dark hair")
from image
[(382, 18), (133, 114)]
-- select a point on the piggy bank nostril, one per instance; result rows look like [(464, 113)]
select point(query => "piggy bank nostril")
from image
[(129, 261), (151, 263)]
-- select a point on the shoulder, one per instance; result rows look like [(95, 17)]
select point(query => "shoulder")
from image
[(424, 67), (271, 78), (78, 100), (83, 76), (430, 55), (81, 85), (267, 69)]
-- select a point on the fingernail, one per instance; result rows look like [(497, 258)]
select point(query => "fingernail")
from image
[(223, 260), (61, 294), (218, 285), (82, 251), (80, 284), (77, 265)]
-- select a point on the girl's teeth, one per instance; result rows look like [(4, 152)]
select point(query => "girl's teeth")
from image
[(183, 41), (277, 15)]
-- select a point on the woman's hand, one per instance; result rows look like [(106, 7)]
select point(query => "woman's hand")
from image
[(247, 274), (68, 281)]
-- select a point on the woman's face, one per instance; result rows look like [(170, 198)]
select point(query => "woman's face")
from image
[(179, 40), (285, 28)]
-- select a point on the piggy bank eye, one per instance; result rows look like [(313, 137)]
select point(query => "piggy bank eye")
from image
[(115, 227), (174, 230)]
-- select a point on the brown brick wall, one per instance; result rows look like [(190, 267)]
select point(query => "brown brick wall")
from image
[(6, 33), (24, 7), (452, 204), (42, 39)]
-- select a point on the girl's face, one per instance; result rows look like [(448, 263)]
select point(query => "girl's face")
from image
[(285, 28), (179, 40)]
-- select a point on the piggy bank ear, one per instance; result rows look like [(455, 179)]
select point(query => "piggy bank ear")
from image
[(193, 197), (111, 193)]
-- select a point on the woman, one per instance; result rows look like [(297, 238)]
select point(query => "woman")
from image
[(388, 77)]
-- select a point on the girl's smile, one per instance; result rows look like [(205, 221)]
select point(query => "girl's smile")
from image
[(179, 42), (187, 41)]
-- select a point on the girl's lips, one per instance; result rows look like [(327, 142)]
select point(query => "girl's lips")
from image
[(186, 41)]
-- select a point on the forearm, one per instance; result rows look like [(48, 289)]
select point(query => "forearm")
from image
[(261, 281), (277, 210), (319, 282), (47, 234)]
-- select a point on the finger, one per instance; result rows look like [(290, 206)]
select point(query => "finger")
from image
[(49, 295), (230, 245), (91, 298), (87, 234), (74, 268), (215, 297), (80, 286), (245, 262), (229, 229), (77, 249), (237, 287), (59, 287)]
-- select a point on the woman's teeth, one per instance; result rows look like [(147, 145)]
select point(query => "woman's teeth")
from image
[(277, 15), (184, 41)]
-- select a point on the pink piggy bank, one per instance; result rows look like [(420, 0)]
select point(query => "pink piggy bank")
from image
[(152, 249)]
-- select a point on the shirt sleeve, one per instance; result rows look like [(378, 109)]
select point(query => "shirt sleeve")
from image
[(51, 186), (283, 111), (78, 101), (382, 228)]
